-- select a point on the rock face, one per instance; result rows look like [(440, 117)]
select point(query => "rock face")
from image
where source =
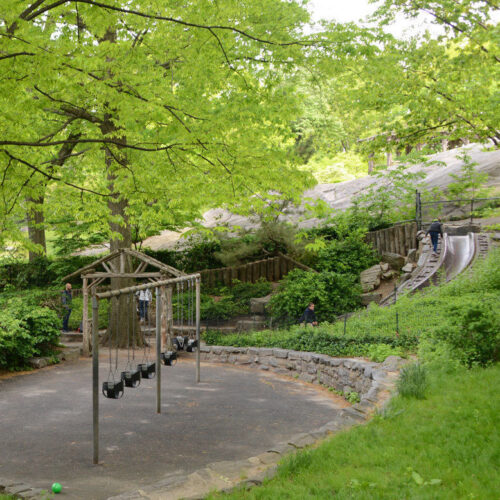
[(370, 278), (395, 260)]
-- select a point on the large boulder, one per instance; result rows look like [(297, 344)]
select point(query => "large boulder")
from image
[(370, 278), (412, 255), (395, 260)]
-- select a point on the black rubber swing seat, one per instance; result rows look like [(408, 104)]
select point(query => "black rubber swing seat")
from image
[(169, 358), (148, 370), (191, 345), (132, 378), (113, 390)]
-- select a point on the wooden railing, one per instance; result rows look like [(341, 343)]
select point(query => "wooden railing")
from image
[(397, 239), (271, 269)]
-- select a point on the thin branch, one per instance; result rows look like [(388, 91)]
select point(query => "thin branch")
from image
[(52, 177), (8, 56), (164, 18)]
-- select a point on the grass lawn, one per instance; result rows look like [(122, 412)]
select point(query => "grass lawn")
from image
[(446, 446)]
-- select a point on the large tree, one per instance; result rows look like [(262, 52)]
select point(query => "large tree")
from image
[(133, 114)]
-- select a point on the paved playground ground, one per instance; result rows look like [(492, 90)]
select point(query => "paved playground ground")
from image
[(234, 413)]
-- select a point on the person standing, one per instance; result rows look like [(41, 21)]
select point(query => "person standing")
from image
[(67, 299), (435, 229), (309, 316), (145, 297)]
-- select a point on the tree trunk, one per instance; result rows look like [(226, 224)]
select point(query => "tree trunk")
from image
[(371, 163), (36, 229)]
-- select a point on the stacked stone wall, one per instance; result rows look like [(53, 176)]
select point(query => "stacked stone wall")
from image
[(366, 378)]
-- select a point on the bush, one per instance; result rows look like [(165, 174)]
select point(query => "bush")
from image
[(473, 330), (412, 381), (349, 255), (331, 292), (25, 331)]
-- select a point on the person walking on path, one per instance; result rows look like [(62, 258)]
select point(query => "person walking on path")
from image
[(435, 229), (145, 297), (309, 316), (67, 300)]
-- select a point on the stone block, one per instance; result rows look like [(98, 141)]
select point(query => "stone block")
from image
[(301, 440), (384, 266), (307, 377), (37, 362), (367, 298), (389, 275), (17, 489), (412, 255), (306, 356), (407, 268), (395, 260), (370, 278), (259, 305), (280, 353), (265, 351), (205, 348)]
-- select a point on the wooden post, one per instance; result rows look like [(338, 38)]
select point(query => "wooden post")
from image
[(85, 320), (158, 349), (198, 341), (95, 376)]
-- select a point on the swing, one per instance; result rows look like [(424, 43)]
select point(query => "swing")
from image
[(169, 358), (131, 377), (112, 388), (147, 369)]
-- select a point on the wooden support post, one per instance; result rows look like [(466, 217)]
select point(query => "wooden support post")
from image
[(198, 340), (158, 349), (85, 320), (95, 376)]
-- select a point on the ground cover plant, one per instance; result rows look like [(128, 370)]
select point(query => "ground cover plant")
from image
[(442, 447), (459, 317)]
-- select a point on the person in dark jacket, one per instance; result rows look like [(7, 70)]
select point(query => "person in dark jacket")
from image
[(435, 229), (67, 299), (309, 316)]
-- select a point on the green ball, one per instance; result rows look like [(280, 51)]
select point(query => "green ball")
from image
[(56, 488)]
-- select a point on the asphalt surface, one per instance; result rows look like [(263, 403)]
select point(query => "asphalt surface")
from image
[(234, 413)]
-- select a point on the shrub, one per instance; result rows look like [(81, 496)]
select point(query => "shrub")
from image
[(349, 255), (378, 352), (332, 293), (412, 381), (25, 331), (473, 330)]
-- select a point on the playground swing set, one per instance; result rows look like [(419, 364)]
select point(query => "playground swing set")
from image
[(114, 386), (115, 266)]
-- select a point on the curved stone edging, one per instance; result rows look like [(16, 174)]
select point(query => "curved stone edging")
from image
[(373, 381)]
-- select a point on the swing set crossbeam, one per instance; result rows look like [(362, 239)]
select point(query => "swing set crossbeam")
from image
[(137, 288)]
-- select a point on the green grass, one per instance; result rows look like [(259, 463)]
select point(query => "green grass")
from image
[(444, 447), (418, 315)]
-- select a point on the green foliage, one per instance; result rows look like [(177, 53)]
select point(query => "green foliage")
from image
[(412, 381), (348, 255), (77, 313), (353, 397), (473, 330), (391, 200), (26, 330), (332, 293), (469, 182), (378, 352), (319, 340)]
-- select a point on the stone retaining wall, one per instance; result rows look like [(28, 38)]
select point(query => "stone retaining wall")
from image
[(366, 378)]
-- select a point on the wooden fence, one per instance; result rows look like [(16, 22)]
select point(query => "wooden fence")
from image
[(271, 269), (397, 239)]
